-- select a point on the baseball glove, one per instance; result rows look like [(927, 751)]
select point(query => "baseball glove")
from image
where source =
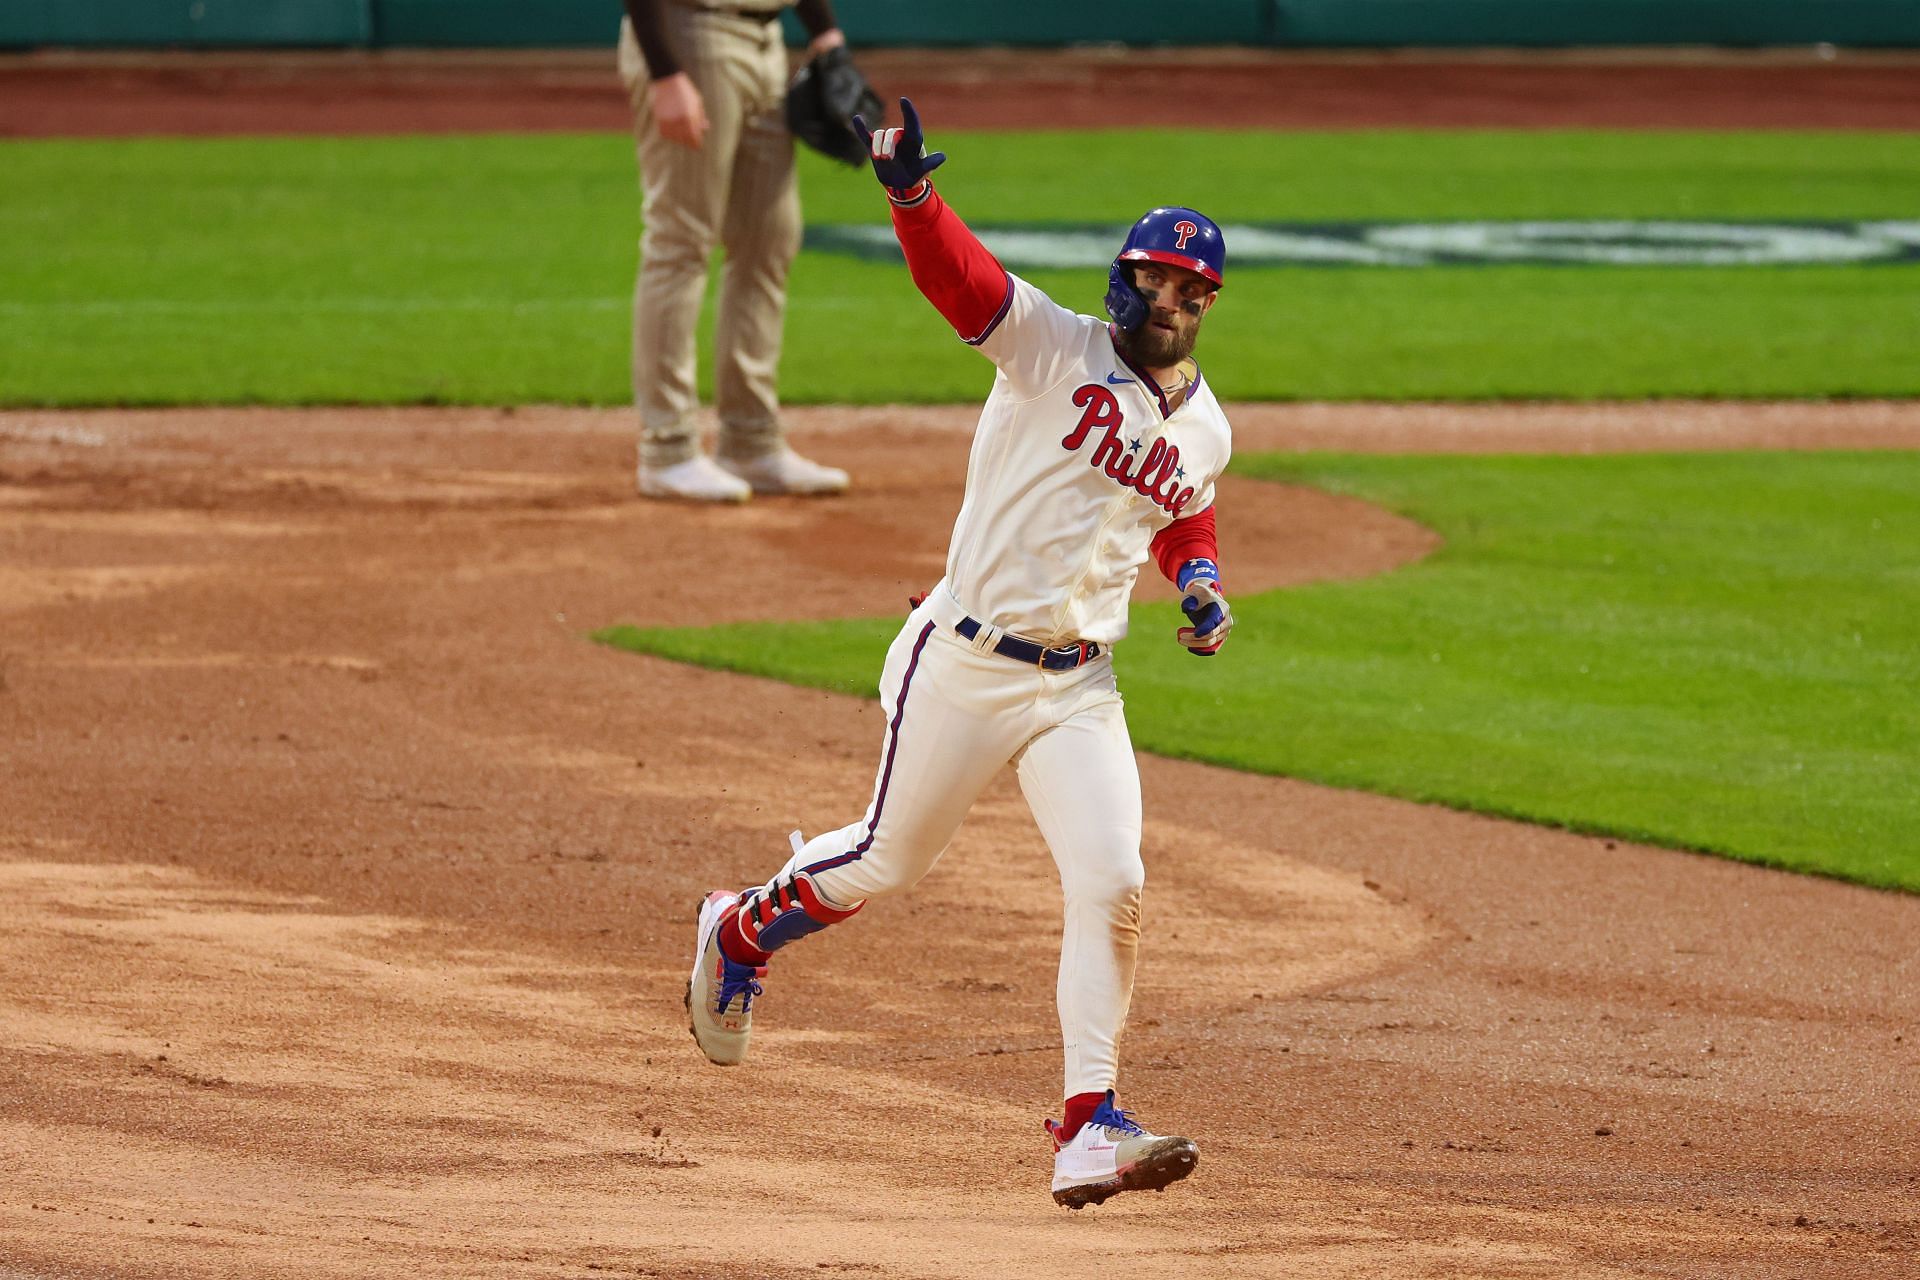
[(823, 99)]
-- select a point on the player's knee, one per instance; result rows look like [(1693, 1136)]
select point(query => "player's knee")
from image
[(770, 243), (1124, 889), (676, 244), (1113, 888), (786, 232)]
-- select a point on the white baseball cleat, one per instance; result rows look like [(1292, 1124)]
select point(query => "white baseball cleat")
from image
[(1112, 1154), (720, 993), (698, 479), (784, 471)]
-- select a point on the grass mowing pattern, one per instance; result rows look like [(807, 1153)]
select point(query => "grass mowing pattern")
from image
[(498, 269), (1713, 652)]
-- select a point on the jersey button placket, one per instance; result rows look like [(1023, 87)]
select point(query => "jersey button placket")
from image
[(1099, 564), (1093, 566)]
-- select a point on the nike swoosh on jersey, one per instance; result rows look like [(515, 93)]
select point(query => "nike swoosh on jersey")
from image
[(1114, 379)]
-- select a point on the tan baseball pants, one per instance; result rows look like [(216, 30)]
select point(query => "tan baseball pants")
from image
[(737, 191)]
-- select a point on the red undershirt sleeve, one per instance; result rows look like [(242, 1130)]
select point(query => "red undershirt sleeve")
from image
[(963, 280), (1184, 540)]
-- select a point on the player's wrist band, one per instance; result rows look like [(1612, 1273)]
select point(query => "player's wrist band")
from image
[(911, 196), (1198, 567)]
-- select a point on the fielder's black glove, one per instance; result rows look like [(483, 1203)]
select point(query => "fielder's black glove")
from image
[(826, 96)]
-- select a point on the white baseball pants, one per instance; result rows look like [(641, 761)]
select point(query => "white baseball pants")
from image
[(955, 713)]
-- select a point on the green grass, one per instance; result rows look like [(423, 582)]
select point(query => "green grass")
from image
[(1714, 652), (497, 269)]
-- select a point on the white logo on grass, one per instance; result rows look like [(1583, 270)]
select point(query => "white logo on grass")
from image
[(1616, 242), (1635, 244)]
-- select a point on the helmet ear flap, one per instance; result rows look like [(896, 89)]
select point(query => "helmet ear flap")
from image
[(1124, 303)]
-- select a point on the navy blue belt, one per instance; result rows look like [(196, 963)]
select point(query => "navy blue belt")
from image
[(1064, 658)]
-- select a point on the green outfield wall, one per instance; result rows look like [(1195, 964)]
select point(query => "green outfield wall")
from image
[(1276, 23), (194, 23)]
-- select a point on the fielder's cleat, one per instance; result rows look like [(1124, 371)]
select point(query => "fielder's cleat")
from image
[(698, 479), (784, 471), (1112, 1154), (720, 993)]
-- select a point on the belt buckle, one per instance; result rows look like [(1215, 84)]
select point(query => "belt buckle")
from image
[(1081, 660)]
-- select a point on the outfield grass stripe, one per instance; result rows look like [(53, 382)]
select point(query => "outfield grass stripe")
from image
[(494, 269)]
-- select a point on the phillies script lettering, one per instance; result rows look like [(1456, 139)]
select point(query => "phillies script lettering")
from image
[(1156, 474)]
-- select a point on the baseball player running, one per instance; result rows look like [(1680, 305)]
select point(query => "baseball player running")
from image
[(1098, 448)]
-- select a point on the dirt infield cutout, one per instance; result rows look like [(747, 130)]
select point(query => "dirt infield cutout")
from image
[(348, 887)]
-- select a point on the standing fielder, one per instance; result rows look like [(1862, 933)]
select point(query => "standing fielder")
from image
[(1098, 447), (706, 80)]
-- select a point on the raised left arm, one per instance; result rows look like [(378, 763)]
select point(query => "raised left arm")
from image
[(961, 278)]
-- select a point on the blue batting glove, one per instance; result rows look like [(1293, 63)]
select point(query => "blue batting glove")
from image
[(899, 155), (1206, 608)]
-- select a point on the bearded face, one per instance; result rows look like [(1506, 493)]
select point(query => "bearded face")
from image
[(1177, 300)]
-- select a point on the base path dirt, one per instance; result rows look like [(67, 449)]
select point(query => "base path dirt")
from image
[(88, 93), (348, 898)]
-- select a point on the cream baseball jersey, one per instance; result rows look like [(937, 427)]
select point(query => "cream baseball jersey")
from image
[(1076, 464)]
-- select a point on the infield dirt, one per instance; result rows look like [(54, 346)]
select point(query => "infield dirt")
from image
[(349, 892)]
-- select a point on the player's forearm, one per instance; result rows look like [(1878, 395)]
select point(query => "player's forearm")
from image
[(961, 278), (816, 16), (650, 29), (1193, 538)]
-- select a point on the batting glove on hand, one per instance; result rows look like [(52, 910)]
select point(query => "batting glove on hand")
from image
[(1205, 607), (899, 156)]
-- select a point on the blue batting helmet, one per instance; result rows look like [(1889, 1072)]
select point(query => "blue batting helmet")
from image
[(1178, 236)]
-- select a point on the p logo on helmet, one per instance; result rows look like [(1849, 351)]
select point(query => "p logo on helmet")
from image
[(1173, 235)]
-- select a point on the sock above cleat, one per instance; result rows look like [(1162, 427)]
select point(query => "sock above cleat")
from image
[(1079, 1109)]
